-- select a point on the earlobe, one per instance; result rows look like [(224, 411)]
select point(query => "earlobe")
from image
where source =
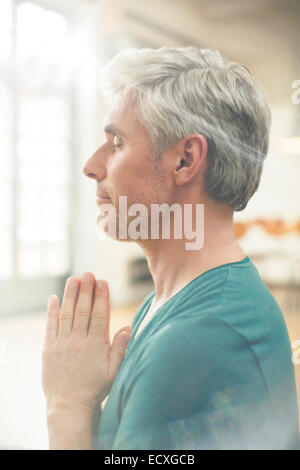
[(183, 171)]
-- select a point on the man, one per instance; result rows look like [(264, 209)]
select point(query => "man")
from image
[(208, 364)]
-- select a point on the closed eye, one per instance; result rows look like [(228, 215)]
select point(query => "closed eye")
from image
[(116, 142)]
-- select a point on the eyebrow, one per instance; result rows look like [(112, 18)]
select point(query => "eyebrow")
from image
[(112, 129)]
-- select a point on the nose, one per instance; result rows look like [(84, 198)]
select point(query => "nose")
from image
[(94, 167)]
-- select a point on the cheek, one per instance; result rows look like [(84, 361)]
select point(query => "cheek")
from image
[(119, 173), (138, 178), (126, 173)]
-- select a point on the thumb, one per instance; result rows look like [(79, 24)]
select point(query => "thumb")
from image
[(118, 349)]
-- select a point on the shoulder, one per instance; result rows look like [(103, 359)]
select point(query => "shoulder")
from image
[(237, 296), (250, 309)]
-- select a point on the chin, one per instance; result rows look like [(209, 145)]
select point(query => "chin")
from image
[(103, 232)]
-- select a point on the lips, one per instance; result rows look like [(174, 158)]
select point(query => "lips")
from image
[(101, 198)]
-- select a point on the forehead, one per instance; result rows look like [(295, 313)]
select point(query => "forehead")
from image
[(121, 120)]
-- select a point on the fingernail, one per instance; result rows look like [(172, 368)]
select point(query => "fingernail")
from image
[(52, 301), (127, 328), (86, 277), (101, 284), (125, 339), (71, 282)]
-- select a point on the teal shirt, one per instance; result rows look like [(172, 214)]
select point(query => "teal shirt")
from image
[(212, 369)]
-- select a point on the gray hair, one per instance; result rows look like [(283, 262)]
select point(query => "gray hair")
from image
[(180, 91)]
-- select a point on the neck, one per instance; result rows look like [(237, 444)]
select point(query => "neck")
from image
[(172, 266)]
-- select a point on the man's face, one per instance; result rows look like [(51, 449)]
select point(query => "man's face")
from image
[(125, 166)]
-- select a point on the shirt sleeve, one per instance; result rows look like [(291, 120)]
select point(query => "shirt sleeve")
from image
[(196, 385)]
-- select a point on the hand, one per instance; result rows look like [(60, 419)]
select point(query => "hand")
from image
[(79, 362)]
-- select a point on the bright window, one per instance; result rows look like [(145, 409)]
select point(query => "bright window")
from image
[(35, 136)]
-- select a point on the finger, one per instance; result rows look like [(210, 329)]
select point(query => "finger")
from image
[(84, 304), (68, 306), (126, 328), (99, 325), (52, 320), (117, 352)]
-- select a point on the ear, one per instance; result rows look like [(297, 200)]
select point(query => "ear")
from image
[(191, 160)]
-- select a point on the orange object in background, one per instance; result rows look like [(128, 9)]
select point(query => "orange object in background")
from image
[(276, 227), (296, 227), (273, 227), (240, 229)]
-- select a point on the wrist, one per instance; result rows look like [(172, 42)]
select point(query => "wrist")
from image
[(64, 405), (72, 425)]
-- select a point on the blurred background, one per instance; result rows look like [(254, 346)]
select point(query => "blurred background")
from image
[(51, 114)]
